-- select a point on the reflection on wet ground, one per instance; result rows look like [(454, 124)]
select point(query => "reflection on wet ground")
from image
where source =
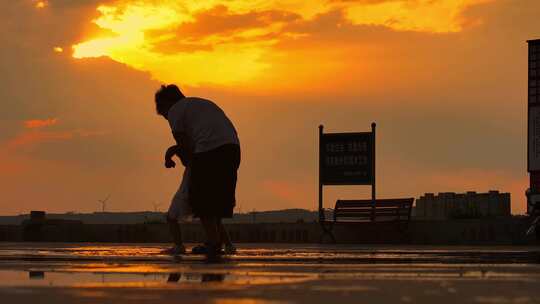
[(73, 278), (93, 273), (277, 252)]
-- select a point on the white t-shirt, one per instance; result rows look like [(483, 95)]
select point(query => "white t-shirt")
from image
[(203, 122)]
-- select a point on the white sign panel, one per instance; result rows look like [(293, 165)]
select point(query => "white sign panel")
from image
[(534, 139)]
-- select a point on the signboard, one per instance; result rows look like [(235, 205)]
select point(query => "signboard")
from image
[(346, 158)]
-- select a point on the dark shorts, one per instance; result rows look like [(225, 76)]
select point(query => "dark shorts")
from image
[(213, 181)]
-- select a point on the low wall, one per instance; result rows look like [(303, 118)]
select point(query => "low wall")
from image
[(506, 231)]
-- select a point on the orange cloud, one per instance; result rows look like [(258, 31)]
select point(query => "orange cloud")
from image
[(220, 20), (40, 123), (441, 16), (37, 136), (233, 42)]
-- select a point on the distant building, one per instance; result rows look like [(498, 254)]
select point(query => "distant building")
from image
[(450, 205)]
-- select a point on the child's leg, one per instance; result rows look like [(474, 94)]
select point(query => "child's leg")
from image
[(178, 209), (174, 229), (176, 233)]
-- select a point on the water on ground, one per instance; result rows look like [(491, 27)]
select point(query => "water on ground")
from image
[(269, 273)]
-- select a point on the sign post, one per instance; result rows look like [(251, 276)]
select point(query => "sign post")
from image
[(346, 159), (321, 208), (373, 189)]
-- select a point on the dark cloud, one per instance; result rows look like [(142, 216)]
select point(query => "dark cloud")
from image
[(219, 20)]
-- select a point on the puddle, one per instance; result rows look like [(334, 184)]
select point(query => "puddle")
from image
[(276, 253), (13, 278)]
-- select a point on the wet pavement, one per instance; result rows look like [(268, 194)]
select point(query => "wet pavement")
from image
[(269, 273)]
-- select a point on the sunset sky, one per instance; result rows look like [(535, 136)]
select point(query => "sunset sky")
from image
[(445, 80)]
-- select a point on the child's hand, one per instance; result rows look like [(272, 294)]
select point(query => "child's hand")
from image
[(169, 163)]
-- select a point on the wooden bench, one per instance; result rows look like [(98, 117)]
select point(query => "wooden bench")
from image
[(394, 211)]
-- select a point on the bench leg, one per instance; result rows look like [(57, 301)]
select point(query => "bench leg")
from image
[(403, 229)]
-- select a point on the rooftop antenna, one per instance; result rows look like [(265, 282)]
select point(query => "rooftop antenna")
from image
[(104, 203), (156, 206)]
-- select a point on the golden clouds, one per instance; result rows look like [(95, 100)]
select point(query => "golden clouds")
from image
[(127, 25), (173, 45), (232, 42), (439, 16)]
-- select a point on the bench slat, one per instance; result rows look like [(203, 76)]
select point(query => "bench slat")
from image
[(392, 200), (376, 208), (363, 214), (397, 200), (368, 220), (340, 204), (385, 210), (370, 209), (378, 202), (373, 209)]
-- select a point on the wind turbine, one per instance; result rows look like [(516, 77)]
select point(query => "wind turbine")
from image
[(104, 202)]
